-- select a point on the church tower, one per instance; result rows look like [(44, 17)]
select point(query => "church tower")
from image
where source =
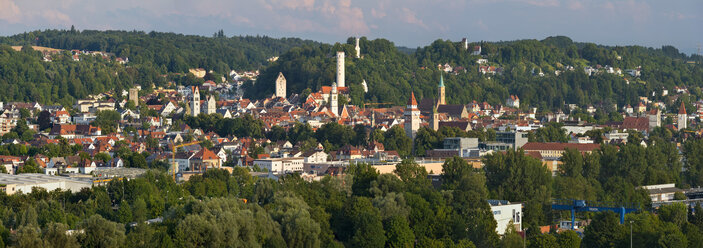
[(683, 117), (340, 69), (195, 101), (134, 96), (281, 85), (357, 48), (412, 117), (334, 100), (441, 91), (211, 105), (434, 122)]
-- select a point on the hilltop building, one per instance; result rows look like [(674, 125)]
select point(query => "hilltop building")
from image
[(357, 48), (340, 69), (134, 96)]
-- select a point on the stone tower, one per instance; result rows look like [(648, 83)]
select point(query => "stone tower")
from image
[(281, 85), (442, 100), (134, 96), (334, 100), (340, 69), (434, 122), (412, 117), (683, 117), (357, 48), (211, 105), (195, 101)]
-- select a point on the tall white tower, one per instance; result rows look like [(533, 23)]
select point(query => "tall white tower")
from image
[(357, 48), (334, 100), (682, 117), (281, 85), (195, 101), (412, 117), (340, 69)]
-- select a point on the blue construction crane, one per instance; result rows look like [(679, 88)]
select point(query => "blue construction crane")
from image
[(593, 206)]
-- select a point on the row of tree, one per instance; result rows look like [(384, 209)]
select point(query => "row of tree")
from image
[(391, 74)]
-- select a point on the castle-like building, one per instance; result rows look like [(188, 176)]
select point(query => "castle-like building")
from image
[(412, 117)]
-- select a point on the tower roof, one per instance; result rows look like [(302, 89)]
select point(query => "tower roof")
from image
[(412, 100), (441, 80), (682, 109)]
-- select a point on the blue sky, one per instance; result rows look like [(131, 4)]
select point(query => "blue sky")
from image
[(409, 23)]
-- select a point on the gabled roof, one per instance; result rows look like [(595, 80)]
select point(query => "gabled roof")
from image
[(205, 154)]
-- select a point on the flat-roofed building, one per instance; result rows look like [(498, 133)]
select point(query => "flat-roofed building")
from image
[(505, 213), (281, 165), (23, 183)]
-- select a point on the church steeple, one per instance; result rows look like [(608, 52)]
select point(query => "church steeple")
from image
[(441, 90)]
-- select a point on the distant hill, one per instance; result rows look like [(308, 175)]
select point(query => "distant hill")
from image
[(175, 52), (526, 68), (391, 72), (151, 55)]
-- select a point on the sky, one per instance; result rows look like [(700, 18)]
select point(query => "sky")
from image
[(410, 23)]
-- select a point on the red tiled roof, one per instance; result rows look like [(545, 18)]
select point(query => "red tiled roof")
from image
[(206, 154), (412, 100), (682, 109), (636, 123)]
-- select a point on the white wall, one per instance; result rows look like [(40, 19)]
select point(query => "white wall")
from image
[(503, 214)]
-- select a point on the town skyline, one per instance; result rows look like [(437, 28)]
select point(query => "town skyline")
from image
[(613, 23)]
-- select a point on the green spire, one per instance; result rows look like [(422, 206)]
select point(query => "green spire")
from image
[(441, 80)]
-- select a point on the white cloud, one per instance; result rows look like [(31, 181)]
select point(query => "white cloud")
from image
[(9, 11), (409, 16)]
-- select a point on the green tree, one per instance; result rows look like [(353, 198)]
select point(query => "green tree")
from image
[(513, 176), (124, 213), (399, 232), (395, 140), (297, 226), (54, 235), (414, 175), (568, 239), (28, 236), (107, 120), (605, 230), (543, 241), (363, 227)]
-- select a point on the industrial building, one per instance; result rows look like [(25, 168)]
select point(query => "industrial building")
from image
[(23, 183)]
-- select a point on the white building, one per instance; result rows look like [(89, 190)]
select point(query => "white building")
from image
[(661, 192), (195, 101), (281, 85), (357, 49), (340, 69), (23, 183), (315, 157), (334, 98), (412, 117), (505, 213), (280, 165)]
